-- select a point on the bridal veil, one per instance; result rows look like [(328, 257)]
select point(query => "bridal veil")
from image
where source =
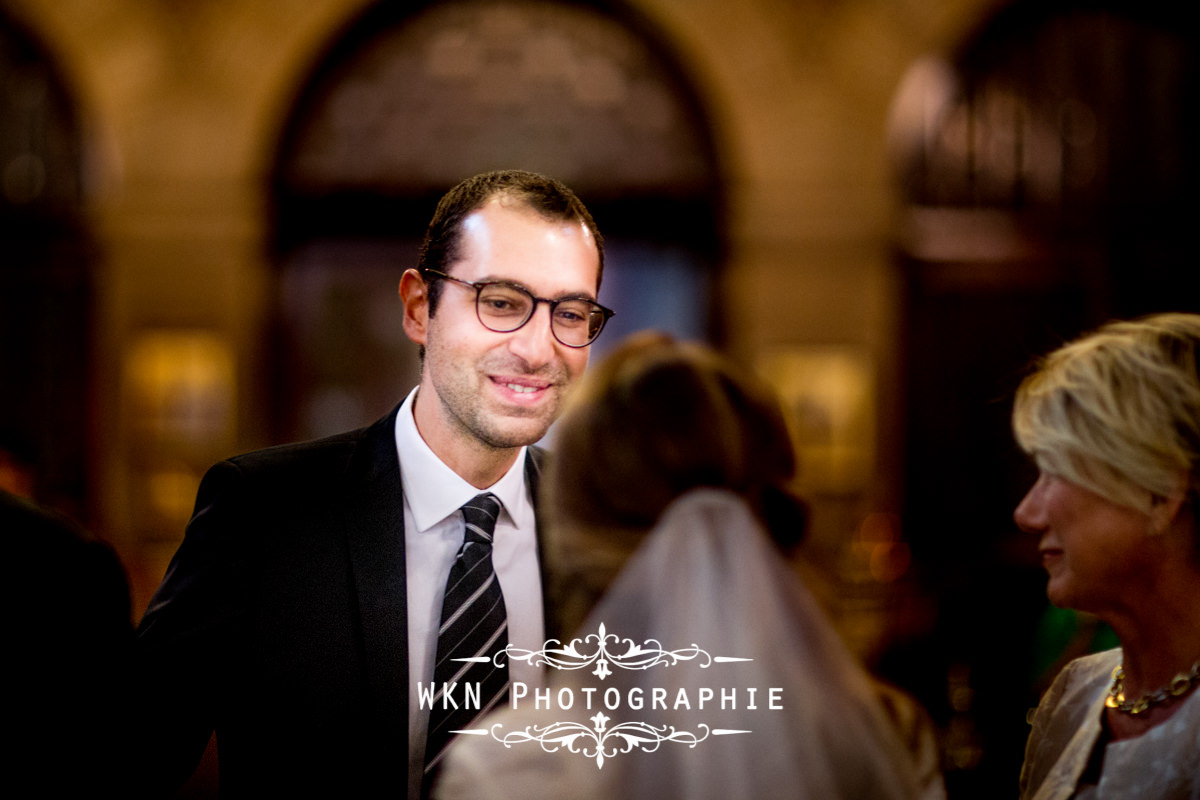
[(704, 611)]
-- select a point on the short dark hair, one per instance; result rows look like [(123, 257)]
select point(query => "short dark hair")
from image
[(548, 197)]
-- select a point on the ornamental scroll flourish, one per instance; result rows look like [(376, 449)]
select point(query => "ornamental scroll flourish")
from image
[(597, 742), (595, 649)]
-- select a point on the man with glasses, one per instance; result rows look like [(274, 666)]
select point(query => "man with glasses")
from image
[(305, 616)]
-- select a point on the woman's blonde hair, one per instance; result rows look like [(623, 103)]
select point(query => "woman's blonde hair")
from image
[(1118, 411), (653, 420)]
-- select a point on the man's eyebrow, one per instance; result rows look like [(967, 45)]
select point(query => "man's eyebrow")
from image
[(574, 296), (568, 295)]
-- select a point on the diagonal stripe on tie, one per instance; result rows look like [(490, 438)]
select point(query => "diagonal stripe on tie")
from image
[(476, 593), (473, 624), (474, 641)]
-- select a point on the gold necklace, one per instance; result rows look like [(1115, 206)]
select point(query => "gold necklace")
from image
[(1180, 685)]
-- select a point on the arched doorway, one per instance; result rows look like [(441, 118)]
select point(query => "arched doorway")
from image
[(1046, 173), (405, 104), (45, 280)]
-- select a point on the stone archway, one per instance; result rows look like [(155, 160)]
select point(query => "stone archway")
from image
[(406, 104), (45, 276), (1046, 171)]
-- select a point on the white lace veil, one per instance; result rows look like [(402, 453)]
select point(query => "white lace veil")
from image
[(706, 577)]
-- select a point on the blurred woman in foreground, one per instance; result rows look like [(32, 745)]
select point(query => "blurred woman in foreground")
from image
[(670, 505), (1113, 422)]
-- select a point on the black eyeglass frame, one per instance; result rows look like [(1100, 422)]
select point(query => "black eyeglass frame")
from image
[(479, 286)]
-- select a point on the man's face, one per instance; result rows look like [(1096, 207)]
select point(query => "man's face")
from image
[(501, 390)]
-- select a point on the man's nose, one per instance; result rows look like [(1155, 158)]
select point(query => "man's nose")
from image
[(534, 341)]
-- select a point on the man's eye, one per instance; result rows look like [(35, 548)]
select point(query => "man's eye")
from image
[(570, 315), (502, 303)]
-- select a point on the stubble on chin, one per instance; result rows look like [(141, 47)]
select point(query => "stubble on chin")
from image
[(518, 426), (470, 404), (494, 425)]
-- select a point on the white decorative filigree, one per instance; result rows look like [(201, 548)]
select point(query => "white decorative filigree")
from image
[(601, 649), (597, 742)]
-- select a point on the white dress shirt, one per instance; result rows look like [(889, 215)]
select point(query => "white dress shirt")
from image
[(433, 532)]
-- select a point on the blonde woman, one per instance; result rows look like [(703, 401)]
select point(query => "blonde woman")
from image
[(1113, 422)]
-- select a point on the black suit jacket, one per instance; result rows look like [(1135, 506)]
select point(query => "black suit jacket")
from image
[(281, 624)]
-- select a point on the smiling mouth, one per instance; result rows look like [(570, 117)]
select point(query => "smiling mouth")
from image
[(521, 387)]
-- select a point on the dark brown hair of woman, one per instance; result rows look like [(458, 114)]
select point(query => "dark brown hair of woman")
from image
[(655, 419)]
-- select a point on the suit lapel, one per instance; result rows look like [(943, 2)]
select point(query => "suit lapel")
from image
[(374, 516), (535, 462)]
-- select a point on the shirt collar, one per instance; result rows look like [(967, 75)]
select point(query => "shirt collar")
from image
[(432, 490)]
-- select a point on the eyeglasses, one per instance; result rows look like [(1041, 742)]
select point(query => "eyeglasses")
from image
[(505, 307)]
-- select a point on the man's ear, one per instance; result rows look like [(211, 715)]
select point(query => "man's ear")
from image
[(414, 293)]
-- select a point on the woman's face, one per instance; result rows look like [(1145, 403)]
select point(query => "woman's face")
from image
[(1097, 553)]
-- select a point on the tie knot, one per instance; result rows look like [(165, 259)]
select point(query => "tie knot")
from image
[(480, 515)]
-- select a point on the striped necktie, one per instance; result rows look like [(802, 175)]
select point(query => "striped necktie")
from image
[(474, 628)]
